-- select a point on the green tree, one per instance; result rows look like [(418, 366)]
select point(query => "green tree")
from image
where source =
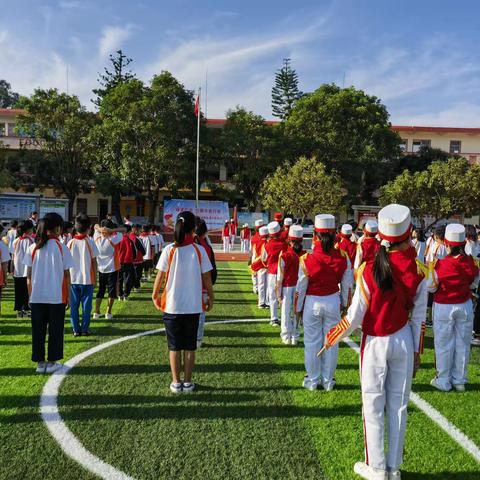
[(8, 98), (285, 92), (302, 189), (350, 132), (416, 162), (64, 124), (147, 136), (247, 146), (442, 190), (119, 73)]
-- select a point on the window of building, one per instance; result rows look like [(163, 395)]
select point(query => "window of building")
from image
[(418, 144), (82, 205), (455, 146), (404, 145), (11, 130), (2, 129)]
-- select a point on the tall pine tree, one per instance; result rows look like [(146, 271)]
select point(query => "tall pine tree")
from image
[(285, 92), (111, 79)]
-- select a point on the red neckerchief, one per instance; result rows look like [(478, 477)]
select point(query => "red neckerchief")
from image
[(187, 241), (81, 236)]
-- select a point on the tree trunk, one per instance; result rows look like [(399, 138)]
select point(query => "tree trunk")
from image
[(116, 197), (153, 203), (71, 201)]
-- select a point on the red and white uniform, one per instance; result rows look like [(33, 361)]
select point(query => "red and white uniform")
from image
[(245, 235), (146, 239), (20, 249), (348, 245), (108, 259), (451, 281), (253, 252), (367, 249), (226, 238), (233, 234), (324, 285), (259, 267), (84, 252)]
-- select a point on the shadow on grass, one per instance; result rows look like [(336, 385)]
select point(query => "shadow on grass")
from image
[(441, 476)]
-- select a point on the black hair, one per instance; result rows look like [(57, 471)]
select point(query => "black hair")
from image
[(471, 232), (185, 224), (24, 227), (440, 232), (201, 227), (327, 240), (421, 235), (382, 271), (82, 223), (49, 222), (456, 250), (107, 224), (370, 234), (297, 246), (127, 227), (127, 216), (137, 225), (34, 213), (14, 223), (146, 227)]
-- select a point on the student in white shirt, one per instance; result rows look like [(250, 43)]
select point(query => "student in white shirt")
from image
[(48, 278), (10, 238), (184, 268), (20, 247), (4, 262), (146, 239), (107, 238), (83, 275)]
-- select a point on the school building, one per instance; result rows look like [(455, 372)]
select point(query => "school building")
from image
[(459, 141)]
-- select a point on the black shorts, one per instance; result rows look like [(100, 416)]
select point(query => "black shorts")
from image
[(147, 264), (110, 281), (181, 330)]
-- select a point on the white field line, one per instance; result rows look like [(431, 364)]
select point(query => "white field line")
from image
[(450, 429), (74, 449)]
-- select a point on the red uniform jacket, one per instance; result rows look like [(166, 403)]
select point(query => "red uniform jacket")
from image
[(126, 250), (273, 248), (139, 257), (290, 269), (226, 231), (349, 247), (233, 229), (245, 234), (257, 261), (389, 311), (455, 275), (284, 234), (370, 247), (325, 272)]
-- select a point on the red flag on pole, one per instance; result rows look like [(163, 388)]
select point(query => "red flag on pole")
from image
[(196, 110), (235, 216)]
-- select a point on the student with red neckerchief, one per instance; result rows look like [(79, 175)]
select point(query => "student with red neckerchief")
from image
[(48, 279), (183, 272), (368, 245), (254, 249)]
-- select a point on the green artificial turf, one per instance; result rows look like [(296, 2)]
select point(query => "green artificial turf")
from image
[(249, 419)]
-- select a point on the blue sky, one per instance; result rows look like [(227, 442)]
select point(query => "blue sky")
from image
[(420, 57)]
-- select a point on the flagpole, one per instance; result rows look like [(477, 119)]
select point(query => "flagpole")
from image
[(197, 186)]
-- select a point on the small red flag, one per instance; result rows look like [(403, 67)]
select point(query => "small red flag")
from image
[(196, 110)]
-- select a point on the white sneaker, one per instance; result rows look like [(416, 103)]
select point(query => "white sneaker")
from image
[(176, 387), (370, 473), (294, 342), (286, 341), (188, 387), (108, 316), (309, 385), (328, 386), (459, 387), (53, 367), (199, 343), (475, 342), (41, 366), (394, 475), (435, 384), (96, 316), (125, 299)]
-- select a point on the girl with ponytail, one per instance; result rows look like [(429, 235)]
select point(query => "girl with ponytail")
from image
[(184, 272), (390, 305), (48, 279)]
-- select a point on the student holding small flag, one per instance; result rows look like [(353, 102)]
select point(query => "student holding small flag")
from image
[(452, 281), (389, 304)]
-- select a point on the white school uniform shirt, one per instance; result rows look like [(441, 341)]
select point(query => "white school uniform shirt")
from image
[(48, 271), (20, 249), (183, 288), (147, 243), (83, 251), (108, 259), (11, 235), (4, 252), (154, 242), (472, 248)]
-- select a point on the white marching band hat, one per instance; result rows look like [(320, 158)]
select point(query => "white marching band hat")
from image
[(288, 221), (245, 225), (273, 228), (394, 224), (455, 235), (295, 232), (324, 223), (371, 226), (263, 231), (258, 223), (346, 229)]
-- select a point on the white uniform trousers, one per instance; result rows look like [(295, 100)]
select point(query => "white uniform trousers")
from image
[(232, 241), (245, 246), (386, 369), (272, 295), (262, 286), (452, 333), (226, 244), (320, 315), (289, 324), (255, 283)]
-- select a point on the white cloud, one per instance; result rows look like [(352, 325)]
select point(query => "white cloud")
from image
[(113, 37)]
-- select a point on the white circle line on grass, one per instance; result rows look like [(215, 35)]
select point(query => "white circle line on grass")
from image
[(431, 412), (50, 414)]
